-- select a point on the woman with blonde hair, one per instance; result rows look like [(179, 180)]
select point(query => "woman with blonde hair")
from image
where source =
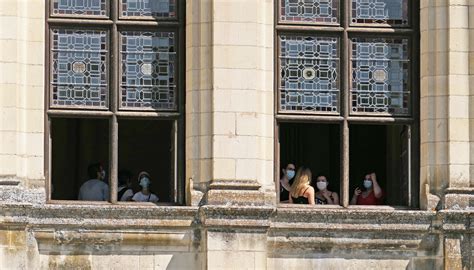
[(301, 191)]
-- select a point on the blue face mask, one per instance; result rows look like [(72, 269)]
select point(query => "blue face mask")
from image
[(290, 174), (367, 183)]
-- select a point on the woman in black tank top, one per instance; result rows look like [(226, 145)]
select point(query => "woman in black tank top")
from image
[(301, 191)]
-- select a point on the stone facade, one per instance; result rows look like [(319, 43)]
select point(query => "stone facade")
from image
[(231, 220)]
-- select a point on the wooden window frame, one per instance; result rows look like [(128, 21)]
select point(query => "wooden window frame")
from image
[(114, 23), (345, 30)]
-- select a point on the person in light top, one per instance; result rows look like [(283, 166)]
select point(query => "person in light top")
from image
[(145, 194), (96, 188)]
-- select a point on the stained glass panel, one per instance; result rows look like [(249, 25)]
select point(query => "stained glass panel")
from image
[(380, 68), (148, 70), (79, 70), (393, 12), (79, 7), (309, 69), (149, 8), (324, 11)]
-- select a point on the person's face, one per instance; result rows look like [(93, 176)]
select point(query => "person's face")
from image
[(367, 177), (321, 179), (290, 167)]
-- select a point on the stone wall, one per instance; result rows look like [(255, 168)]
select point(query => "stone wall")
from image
[(231, 220)]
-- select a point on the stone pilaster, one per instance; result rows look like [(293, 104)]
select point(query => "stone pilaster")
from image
[(22, 91)]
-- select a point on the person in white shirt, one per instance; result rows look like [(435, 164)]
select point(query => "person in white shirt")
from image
[(94, 189), (124, 191), (145, 194)]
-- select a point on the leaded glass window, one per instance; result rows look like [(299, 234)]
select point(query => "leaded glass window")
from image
[(309, 73), (323, 11), (151, 8), (148, 70), (115, 68), (392, 12), (380, 69), (79, 7), (79, 76), (347, 82)]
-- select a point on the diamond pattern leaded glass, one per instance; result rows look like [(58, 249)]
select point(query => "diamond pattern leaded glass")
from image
[(79, 70), (324, 11), (380, 69), (147, 8), (79, 7), (309, 74), (148, 70), (393, 12)]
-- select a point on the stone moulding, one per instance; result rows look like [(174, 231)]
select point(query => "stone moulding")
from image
[(70, 227)]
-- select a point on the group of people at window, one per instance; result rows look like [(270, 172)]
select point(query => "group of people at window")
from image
[(97, 188), (298, 187)]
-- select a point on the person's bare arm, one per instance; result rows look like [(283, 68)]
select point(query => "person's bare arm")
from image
[(335, 198), (357, 193), (377, 189), (290, 200), (310, 195)]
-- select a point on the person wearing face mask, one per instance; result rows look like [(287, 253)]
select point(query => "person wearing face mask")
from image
[(94, 189), (372, 194), (145, 195), (324, 196), (285, 182)]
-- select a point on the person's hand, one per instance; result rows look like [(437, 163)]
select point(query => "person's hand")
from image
[(373, 176), (357, 191), (326, 194)]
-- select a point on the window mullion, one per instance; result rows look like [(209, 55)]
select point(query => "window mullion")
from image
[(345, 85), (113, 129)]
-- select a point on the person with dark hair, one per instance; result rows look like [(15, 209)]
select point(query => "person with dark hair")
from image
[(286, 180), (125, 193), (372, 193), (145, 195), (94, 189), (324, 196)]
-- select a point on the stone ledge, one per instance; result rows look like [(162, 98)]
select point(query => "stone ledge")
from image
[(235, 184), (236, 216)]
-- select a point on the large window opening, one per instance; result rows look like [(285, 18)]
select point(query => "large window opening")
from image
[(383, 150), (147, 145), (76, 143), (315, 146)]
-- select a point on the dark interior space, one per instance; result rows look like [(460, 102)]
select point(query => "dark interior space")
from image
[(316, 146), (382, 149), (76, 143), (146, 145)]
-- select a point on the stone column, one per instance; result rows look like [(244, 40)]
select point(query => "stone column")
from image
[(445, 100), (447, 125), (21, 92), (229, 111), (229, 134)]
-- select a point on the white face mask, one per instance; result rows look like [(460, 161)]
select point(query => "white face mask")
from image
[(367, 183), (102, 174), (321, 185)]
